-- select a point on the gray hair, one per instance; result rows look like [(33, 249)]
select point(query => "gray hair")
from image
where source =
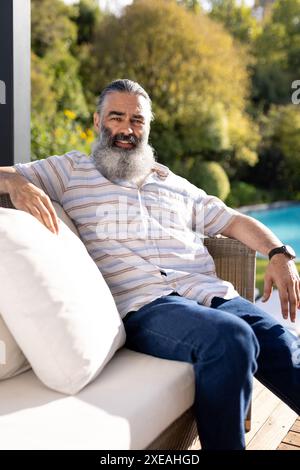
[(123, 86)]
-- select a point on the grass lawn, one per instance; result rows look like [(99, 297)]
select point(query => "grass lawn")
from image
[(261, 265)]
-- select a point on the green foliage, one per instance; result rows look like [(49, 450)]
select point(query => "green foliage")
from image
[(51, 26), (237, 18), (281, 150), (210, 177), (66, 84), (244, 194), (193, 5), (43, 98), (196, 67), (278, 54), (61, 134), (87, 17), (56, 85)]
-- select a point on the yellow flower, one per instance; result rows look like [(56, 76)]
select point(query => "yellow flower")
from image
[(73, 140), (69, 114), (90, 136), (83, 135), (58, 132)]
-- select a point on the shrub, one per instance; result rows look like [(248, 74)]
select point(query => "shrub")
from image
[(59, 135), (243, 194), (210, 177)]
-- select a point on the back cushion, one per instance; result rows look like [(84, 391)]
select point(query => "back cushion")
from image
[(12, 359), (55, 302)]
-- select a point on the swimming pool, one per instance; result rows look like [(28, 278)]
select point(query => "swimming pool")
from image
[(283, 221)]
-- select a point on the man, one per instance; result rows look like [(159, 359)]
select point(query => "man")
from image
[(144, 228)]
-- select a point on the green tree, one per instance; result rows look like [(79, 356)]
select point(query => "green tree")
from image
[(278, 54), (57, 91), (62, 133), (211, 177), (193, 5), (237, 18), (43, 102), (55, 70), (279, 163), (87, 16), (66, 84), (51, 26), (244, 194), (87, 19)]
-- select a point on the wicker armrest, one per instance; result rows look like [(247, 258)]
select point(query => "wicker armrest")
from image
[(5, 201), (235, 262)]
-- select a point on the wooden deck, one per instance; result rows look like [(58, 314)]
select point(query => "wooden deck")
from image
[(274, 424), (292, 440)]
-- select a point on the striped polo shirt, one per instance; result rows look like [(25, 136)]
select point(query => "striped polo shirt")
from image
[(147, 241)]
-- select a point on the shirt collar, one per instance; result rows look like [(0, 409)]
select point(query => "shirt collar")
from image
[(162, 171), (157, 172)]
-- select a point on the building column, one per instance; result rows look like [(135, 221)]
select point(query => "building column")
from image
[(14, 82)]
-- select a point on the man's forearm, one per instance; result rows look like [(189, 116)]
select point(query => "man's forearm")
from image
[(28, 197), (252, 233)]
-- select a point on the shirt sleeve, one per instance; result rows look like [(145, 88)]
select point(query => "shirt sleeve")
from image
[(51, 175), (212, 215)]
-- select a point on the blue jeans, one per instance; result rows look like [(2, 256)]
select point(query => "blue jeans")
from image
[(227, 345)]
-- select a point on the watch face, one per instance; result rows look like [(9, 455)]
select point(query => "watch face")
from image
[(290, 251)]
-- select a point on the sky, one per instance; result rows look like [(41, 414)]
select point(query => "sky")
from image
[(115, 6)]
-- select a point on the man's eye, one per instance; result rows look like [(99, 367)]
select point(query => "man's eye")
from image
[(116, 118)]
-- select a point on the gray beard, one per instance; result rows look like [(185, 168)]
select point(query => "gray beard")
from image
[(116, 163)]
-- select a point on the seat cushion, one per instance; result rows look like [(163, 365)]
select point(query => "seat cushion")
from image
[(55, 302), (134, 399)]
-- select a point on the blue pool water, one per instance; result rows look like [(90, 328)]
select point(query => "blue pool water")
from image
[(284, 222)]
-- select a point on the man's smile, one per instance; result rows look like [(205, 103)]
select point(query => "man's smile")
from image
[(124, 144)]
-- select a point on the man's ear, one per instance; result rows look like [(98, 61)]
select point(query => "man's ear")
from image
[(97, 122)]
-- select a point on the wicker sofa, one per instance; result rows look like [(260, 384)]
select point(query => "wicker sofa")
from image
[(81, 422)]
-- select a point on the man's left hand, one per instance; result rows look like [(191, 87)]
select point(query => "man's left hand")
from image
[(283, 273)]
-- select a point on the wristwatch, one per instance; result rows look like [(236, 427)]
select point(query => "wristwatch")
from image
[(285, 249)]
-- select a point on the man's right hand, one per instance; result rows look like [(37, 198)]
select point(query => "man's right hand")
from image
[(29, 198)]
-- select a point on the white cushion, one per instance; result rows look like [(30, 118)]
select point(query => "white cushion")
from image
[(12, 360), (55, 302), (135, 398)]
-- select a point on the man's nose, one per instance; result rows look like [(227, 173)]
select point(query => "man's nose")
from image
[(126, 128)]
